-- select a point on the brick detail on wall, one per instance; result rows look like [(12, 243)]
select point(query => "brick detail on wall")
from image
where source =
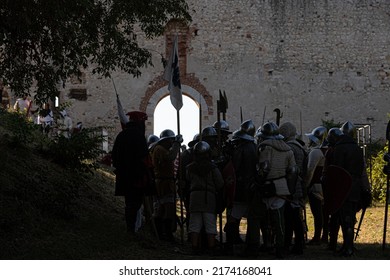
[(189, 80)]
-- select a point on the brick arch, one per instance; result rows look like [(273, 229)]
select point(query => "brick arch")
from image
[(191, 87)]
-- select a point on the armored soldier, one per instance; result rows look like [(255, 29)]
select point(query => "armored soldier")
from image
[(205, 180), (164, 154), (152, 140), (312, 182), (129, 157), (333, 137), (275, 162), (294, 207), (244, 162), (209, 135), (222, 128), (348, 155), (186, 158)]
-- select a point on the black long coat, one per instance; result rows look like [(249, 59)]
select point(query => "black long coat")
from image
[(128, 156)]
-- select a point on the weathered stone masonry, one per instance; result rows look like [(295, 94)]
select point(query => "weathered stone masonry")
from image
[(323, 59)]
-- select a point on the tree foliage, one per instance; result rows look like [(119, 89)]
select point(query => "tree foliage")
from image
[(379, 182), (330, 124), (43, 42)]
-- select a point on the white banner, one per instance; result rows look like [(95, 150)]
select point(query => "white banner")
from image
[(172, 74)]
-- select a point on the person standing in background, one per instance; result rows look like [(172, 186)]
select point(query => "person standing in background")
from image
[(129, 158), (312, 182), (65, 124), (164, 155)]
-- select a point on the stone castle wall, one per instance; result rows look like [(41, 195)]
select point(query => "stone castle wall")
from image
[(321, 60)]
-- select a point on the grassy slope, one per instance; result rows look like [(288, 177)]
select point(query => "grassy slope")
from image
[(47, 212)]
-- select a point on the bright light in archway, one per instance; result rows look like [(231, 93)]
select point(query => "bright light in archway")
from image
[(165, 118)]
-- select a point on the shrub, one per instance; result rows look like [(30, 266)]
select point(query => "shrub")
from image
[(20, 130), (80, 152), (379, 179)]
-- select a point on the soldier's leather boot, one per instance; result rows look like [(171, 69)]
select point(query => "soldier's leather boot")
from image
[(348, 241)]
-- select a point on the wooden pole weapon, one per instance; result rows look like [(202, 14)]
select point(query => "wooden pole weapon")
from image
[(387, 172)]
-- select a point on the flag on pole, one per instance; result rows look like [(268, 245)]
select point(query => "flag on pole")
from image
[(172, 74), (122, 117)]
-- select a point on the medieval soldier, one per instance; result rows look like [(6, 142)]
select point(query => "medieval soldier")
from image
[(209, 135), (348, 155), (313, 184), (223, 132), (225, 164), (205, 180), (244, 162), (186, 158), (333, 137), (164, 155), (294, 207), (129, 157), (275, 163), (152, 140)]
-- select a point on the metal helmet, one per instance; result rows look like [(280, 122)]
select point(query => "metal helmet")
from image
[(223, 126), (288, 130), (202, 148), (318, 135), (349, 129), (152, 139), (248, 127), (239, 134), (167, 134), (209, 131), (194, 140), (234, 136), (334, 135), (269, 130)]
